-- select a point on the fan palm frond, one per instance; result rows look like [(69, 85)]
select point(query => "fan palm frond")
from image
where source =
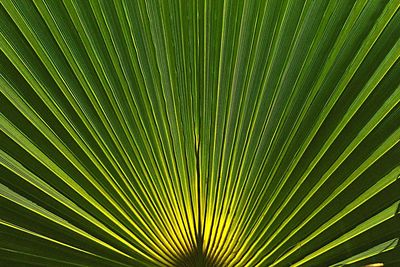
[(199, 133)]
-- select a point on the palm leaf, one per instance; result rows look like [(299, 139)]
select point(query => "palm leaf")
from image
[(199, 133)]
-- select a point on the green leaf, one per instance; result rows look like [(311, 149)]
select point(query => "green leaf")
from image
[(199, 133)]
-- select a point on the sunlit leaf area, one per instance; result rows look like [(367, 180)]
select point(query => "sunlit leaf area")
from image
[(199, 133)]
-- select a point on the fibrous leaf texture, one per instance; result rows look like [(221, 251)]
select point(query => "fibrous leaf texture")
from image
[(199, 133)]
